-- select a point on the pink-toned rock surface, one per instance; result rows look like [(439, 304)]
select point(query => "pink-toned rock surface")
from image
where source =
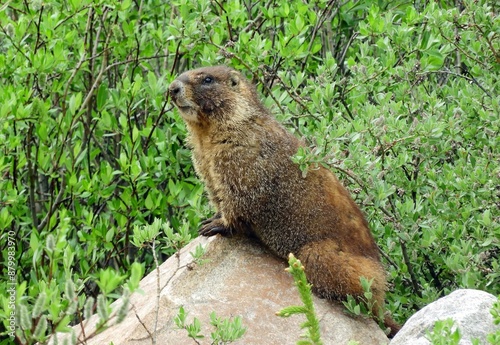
[(239, 278)]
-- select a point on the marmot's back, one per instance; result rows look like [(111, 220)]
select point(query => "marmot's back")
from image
[(243, 155)]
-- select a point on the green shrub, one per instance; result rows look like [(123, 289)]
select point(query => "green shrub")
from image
[(400, 100)]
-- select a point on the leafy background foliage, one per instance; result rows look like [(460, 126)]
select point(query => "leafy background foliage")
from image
[(399, 99)]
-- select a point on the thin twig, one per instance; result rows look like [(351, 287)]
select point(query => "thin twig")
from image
[(31, 178), (54, 205), (470, 79)]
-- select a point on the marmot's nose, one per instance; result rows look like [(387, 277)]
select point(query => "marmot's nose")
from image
[(175, 88)]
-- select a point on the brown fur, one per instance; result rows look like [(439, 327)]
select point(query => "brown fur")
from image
[(243, 156)]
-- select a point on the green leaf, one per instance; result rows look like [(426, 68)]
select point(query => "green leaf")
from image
[(137, 271), (299, 23), (102, 96), (486, 219), (5, 219), (135, 134), (74, 102)]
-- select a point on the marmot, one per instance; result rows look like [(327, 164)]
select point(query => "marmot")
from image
[(243, 155)]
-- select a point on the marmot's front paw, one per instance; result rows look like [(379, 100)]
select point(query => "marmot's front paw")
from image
[(214, 226)]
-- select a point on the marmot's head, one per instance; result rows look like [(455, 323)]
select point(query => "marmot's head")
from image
[(213, 94)]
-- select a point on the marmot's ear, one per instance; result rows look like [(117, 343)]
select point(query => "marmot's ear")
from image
[(234, 78)]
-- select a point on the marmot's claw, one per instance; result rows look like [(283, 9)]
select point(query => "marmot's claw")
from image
[(214, 226), (211, 229)]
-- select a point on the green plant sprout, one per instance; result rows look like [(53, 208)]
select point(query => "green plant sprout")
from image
[(312, 329), (226, 330)]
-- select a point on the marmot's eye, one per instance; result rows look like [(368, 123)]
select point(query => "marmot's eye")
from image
[(208, 80)]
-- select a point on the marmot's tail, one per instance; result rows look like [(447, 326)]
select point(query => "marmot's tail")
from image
[(392, 325)]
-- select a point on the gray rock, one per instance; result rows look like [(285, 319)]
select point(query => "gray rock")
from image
[(239, 278), (470, 310)]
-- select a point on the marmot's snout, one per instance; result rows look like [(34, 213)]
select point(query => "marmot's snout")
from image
[(180, 94), (175, 89)]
